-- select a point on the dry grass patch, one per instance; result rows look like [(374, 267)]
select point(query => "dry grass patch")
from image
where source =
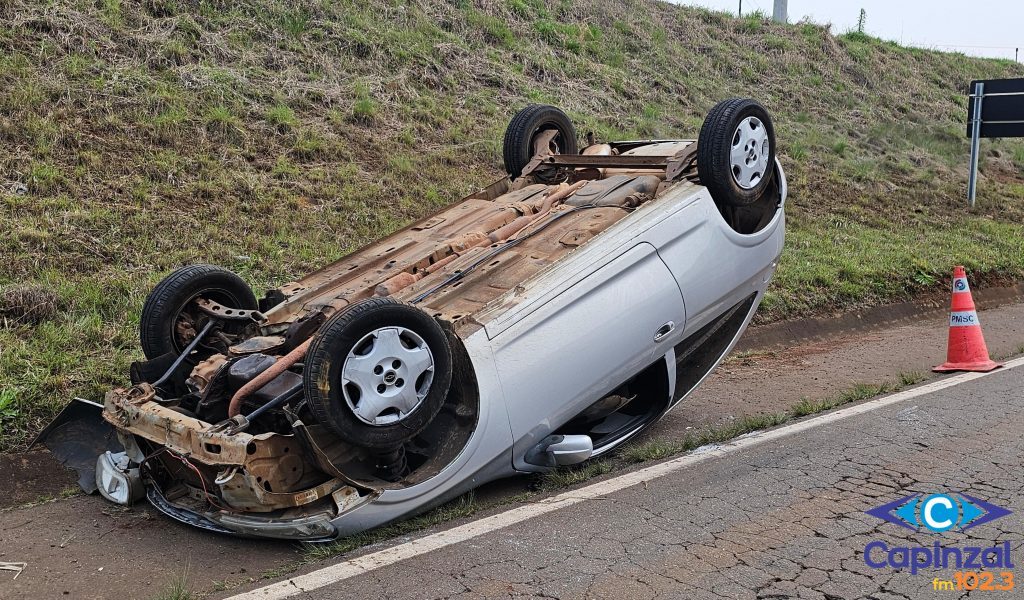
[(27, 304)]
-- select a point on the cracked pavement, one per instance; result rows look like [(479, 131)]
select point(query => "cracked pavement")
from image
[(781, 520)]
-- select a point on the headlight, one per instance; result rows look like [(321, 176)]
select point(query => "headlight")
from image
[(117, 480)]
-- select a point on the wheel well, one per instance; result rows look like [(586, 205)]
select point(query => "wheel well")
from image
[(754, 217), (449, 431), (607, 422)]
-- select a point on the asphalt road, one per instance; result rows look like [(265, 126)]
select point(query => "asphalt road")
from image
[(84, 547), (776, 518)]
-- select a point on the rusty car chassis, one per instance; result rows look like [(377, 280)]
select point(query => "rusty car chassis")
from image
[(407, 372)]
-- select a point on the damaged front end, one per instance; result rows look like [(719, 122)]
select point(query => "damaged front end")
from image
[(222, 437), (268, 484)]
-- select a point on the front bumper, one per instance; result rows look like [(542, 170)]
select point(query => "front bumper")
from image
[(312, 528)]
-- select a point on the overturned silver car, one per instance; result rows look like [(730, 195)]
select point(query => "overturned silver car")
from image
[(539, 322)]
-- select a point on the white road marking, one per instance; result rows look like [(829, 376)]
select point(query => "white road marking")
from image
[(369, 562)]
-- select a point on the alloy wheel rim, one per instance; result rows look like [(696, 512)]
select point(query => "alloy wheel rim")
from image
[(387, 375), (749, 153)]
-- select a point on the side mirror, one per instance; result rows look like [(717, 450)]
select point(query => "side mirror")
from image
[(561, 450)]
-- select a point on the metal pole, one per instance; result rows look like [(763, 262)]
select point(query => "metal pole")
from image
[(972, 177), (740, 13), (780, 12)]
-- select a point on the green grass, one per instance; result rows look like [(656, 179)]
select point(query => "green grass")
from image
[(281, 115), (561, 478), (860, 391), (661, 448), (177, 589), (295, 23), (8, 408), (882, 260), (272, 139), (364, 110), (221, 117)]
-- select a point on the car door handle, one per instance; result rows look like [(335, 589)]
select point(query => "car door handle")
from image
[(663, 331)]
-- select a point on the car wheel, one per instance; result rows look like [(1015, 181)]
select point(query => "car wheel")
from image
[(166, 310), (736, 152), (378, 372), (522, 132)]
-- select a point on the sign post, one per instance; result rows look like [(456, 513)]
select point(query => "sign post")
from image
[(972, 178), (995, 109)]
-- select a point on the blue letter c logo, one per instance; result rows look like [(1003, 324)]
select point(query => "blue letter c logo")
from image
[(939, 512)]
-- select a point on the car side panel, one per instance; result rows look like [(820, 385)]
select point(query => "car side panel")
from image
[(580, 345), (715, 266)]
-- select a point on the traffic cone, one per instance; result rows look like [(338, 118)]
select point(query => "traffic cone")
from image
[(966, 350)]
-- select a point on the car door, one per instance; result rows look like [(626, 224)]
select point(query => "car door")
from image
[(582, 343)]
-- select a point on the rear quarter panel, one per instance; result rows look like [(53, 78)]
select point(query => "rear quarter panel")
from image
[(715, 266)]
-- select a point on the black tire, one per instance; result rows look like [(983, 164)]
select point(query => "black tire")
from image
[(517, 149), (715, 145), (171, 296), (322, 375)]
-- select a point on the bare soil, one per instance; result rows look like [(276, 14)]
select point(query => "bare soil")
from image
[(771, 380), (32, 477)]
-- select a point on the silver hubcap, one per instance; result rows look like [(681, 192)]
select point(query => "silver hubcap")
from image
[(386, 375), (750, 151)]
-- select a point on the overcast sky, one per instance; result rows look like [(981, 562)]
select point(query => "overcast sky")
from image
[(982, 27)]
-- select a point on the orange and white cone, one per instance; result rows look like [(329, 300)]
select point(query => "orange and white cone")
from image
[(966, 350)]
